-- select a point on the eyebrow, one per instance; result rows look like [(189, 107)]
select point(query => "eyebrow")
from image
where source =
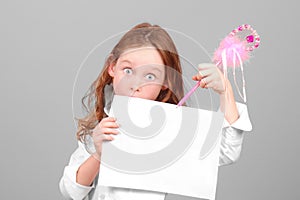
[(151, 65), (121, 61), (157, 69)]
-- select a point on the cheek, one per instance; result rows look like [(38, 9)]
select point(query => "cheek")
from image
[(121, 86), (153, 91), (116, 85)]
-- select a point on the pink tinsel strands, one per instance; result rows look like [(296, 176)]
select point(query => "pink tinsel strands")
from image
[(232, 46)]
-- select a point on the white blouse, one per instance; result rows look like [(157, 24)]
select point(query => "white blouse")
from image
[(231, 145)]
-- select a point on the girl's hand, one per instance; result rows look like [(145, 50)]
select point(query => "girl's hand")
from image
[(102, 132), (211, 77)]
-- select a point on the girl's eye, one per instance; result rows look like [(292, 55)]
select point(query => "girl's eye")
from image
[(150, 77), (127, 71)]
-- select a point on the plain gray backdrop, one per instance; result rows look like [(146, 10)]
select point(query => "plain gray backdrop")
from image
[(42, 44)]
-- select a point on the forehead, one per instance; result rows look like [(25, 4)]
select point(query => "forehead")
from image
[(141, 56)]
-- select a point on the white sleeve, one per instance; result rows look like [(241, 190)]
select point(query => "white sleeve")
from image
[(232, 136), (69, 188)]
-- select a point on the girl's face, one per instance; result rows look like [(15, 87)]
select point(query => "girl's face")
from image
[(138, 73)]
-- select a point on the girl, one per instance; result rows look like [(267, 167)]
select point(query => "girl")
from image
[(150, 46)]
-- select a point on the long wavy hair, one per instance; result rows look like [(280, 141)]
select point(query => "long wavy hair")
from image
[(141, 35)]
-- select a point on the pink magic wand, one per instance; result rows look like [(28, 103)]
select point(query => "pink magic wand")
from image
[(234, 49)]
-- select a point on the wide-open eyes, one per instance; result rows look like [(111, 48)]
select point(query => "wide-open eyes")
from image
[(150, 77), (128, 71), (145, 74)]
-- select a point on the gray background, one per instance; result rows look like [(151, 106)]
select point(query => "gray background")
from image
[(42, 44)]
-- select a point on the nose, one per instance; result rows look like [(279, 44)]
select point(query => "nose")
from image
[(135, 88), (136, 85)]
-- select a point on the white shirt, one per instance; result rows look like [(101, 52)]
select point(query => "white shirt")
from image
[(231, 145)]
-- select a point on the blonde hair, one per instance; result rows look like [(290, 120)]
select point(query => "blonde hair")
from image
[(142, 35)]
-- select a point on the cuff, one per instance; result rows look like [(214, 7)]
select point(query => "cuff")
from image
[(70, 188)]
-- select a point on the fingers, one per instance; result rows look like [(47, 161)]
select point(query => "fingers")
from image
[(202, 74), (108, 122), (109, 119), (205, 69), (205, 74), (206, 82), (210, 76), (106, 127), (102, 137), (110, 131)]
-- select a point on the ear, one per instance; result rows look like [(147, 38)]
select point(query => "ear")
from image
[(111, 70)]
